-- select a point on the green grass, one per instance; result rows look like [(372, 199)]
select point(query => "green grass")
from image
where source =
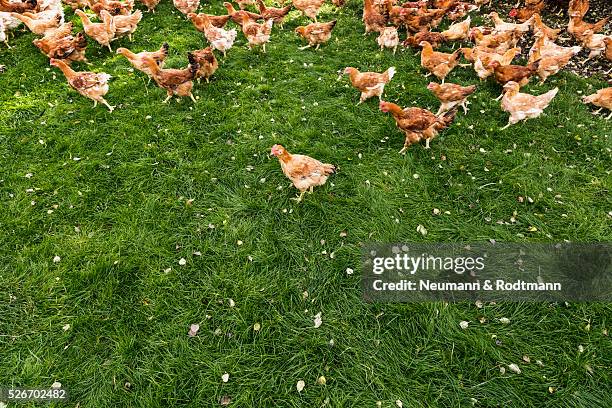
[(120, 223)]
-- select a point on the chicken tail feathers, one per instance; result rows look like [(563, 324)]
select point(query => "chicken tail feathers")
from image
[(389, 74), (447, 118)]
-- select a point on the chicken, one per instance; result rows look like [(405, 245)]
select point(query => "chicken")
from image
[(13, 6), (126, 25), (417, 20), (514, 73), (458, 31), (76, 4), (207, 63), (578, 8), (39, 26), (91, 85), (316, 33), (257, 34), (175, 81), (198, 20), (186, 6), (60, 44), (460, 10), (219, 38), (451, 95), (501, 26), (594, 42), (608, 42), (531, 8), (417, 123), (483, 60), (539, 27), (438, 63), (276, 14), (369, 83), (388, 38), (432, 37), (140, 60), (238, 16), (103, 32), (498, 42), (150, 4), (577, 26), (601, 98), (552, 57), (242, 4), (3, 35), (114, 8), (304, 172), (373, 20), (522, 106), (309, 8)]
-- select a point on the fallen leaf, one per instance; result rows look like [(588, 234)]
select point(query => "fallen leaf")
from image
[(257, 327), (399, 403), (56, 259), (300, 385), (225, 401), (463, 324), (66, 327), (225, 377), (421, 229), (321, 380), (515, 368), (504, 320), (317, 320), (193, 330), (56, 384), (182, 262)]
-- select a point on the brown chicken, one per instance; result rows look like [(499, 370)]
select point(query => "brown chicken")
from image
[(276, 14), (207, 63), (514, 73), (608, 42), (175, 81), (316, 33), (242, 4), (419, 20), (140, 60), (369, 83), (416, 123), (577, 26), (304, 172), (501, 26), (451, 95), (237, 16), (114, 8), (595, 43), (483, 60), (458, 31), (552, 57), (522, 106), (438, 63), (186, 6), (539, 27), (531, 8), (198, 20), (432, 37), (13, 6), (388, 38), (91, 85), (61, 44), (257, 34), (373, 20), (127, 24), (602, 99), (309, 8), (39, 26), (103, 32), (150, 5), (578, 8), (219, 38), (497, 42)]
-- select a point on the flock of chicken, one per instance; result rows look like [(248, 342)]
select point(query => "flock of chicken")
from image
[(492, 54)]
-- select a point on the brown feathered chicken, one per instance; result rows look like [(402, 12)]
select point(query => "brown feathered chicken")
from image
[(126, 25), (608, 42), (388, 38), (369, 83), (61, 44), (434, 38), (140, 60), (552, 57), (207, 63), (577, 26), (483, 60), (198, 20), (594, 42), (91, 85), (219, 38), (531, 8), (373, 20), (495, 42), (304, 172), (103, 32), (316, 33), (438, 63), (257, 34), (451, 95), (38, 25), (602, 99), (514, 73), (501, 26), (539, 27), (186, 6), (238, 16), (175, 81), (150, 5), (416, 123), (309, 8), (242, 4), (276, 14), (114, 8), (458, 31), (522, 106), (14, 6)]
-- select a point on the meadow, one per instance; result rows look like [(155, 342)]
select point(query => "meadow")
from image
[(120, 230)]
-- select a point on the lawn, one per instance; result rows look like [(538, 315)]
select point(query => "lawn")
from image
[(99, 209)]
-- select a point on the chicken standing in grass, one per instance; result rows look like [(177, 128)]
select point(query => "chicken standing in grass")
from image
[(186, 6), (39, 26), (103, 32), (139, 60), (522, 106), (198, 20), (369, 83), (276, 14), (316, 33), (91, 85), (127, 24), (304, 172), (602, 99), (451, 95), (438, 63), (175, 81), (388, 38), (309, 8), (207, 62), (257, 34), (219, 38)]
